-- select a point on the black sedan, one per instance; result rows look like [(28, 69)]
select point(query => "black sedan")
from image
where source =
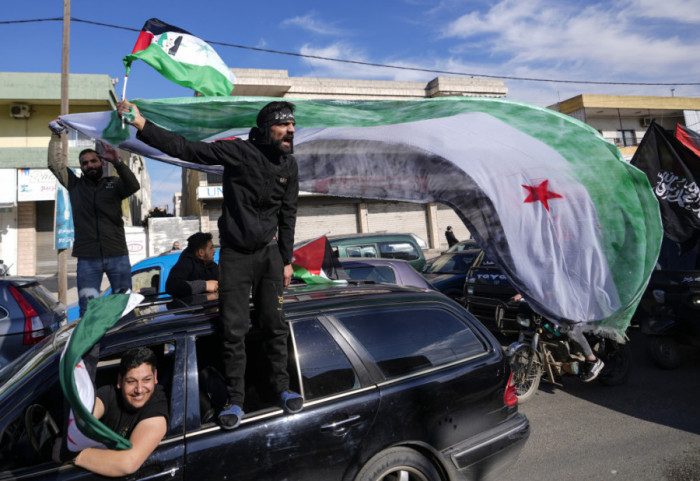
[(28, 313), (399, 383), (448, 272)]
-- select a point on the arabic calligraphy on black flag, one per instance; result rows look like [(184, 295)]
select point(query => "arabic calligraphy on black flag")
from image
[(672, 170)]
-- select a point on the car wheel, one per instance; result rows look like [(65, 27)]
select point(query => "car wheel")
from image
[(665, 351), (618, 363), (398, 464)]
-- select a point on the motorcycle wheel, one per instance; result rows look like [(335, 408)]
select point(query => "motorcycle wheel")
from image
[(665, 351), (618, 363), (526, 381)]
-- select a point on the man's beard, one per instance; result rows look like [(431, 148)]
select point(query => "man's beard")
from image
[(94, 174), (283, 149)]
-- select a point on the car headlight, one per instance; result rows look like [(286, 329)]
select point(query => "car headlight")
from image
[(470, 290)]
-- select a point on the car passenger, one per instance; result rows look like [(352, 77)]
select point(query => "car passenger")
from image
[(136, 409), (195, 271)]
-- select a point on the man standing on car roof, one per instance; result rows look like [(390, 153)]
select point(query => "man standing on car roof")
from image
[(96, 201), (256, 226)]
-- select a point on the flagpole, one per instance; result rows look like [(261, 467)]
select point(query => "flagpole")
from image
[(126, 79)]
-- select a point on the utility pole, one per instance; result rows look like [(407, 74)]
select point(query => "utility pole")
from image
[(63, 253)]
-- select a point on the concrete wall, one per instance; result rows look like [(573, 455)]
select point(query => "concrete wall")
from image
[(163, 231)]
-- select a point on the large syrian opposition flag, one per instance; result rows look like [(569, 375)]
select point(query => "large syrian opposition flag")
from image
[(314, 262), (182, 58), (84, 430), (673, 171), (574, 227)]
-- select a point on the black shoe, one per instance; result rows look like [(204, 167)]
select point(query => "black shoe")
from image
[(291, 402), (594, 368), (230, 416)]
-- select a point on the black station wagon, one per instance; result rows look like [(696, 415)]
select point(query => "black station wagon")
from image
[(399, 383)]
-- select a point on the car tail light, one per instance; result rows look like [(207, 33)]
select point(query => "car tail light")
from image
[(33, 327), (511, 395)]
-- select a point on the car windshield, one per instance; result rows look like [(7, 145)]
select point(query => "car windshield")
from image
[(450, 264), (28, 360)]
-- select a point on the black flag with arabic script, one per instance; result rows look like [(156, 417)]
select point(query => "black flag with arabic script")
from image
[(672, 170)]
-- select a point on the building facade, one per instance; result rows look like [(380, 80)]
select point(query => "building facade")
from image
[(623, 120), (28, 102), (317, 214)]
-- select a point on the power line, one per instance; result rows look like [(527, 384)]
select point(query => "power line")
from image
[(372, 64)]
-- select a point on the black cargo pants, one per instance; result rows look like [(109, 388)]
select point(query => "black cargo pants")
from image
[(259, 273)]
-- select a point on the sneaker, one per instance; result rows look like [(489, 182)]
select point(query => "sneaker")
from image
[(593, 370), (230, 416), (291, 402)]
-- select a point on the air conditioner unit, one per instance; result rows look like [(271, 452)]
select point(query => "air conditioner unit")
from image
[(20, 111), (645, 121)]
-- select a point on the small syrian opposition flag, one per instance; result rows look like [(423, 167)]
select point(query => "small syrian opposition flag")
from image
[(84, 430), (315, 263), (182, 58)]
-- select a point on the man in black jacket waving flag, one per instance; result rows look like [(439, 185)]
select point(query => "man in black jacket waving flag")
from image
[(256, 227)]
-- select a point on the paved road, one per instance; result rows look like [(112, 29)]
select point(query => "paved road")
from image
[(648, 429)]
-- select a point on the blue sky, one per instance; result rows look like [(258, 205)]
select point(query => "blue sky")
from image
[(641, 41)]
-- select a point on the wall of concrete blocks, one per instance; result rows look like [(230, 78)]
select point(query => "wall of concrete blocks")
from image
[(163, 231)]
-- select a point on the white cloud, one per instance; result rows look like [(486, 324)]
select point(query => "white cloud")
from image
[(311, 23), (545, 39), (610, 41)]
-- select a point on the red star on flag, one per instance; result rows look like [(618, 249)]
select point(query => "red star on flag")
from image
[(541, 193)]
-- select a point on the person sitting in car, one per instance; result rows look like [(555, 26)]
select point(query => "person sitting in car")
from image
[(136, 408), (195, 271)]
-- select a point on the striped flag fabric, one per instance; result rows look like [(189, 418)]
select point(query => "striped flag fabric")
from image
[(575, 228), (84, 430), (181, 58), (314, 263)]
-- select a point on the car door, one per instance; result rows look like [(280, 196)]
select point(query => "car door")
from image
[(43, 390), (321, 442)]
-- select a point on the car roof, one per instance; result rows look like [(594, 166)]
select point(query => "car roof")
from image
[(377, 235), (373, 261)]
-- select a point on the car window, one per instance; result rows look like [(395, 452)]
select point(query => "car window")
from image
[(37, 295), (361, 251), (399, 250), (144, 278), (402, 341), (325, 370), (371, 273), (450, 264)]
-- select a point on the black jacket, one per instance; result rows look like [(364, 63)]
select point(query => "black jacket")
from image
[(260, 188), (189, 275), (97, 206), (451, 239)]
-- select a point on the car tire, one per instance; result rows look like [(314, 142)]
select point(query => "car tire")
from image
[(398, 463), (618, 363), (665, 351)]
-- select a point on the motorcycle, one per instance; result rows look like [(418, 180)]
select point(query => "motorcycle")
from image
[(543, 352)]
